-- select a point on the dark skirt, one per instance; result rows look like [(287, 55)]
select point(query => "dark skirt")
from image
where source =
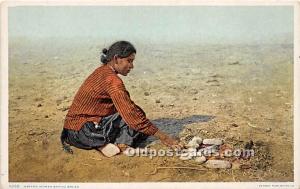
[(112, 129)]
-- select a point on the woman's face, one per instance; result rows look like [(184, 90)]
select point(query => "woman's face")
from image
[(124, 65)]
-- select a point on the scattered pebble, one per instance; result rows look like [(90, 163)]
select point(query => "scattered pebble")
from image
[(200, 159), (192, 144), (31, 133), (213, 141), (38, 99), (157, 101), (197, 140), (212, 80), (215, 75), (110, 150), (234, 125), (268, 129), (162, 105), (234, 63), (46, 116), (64, 108), (193, 91), (218, 164), (195, 98), (146, 93), (39, 105)]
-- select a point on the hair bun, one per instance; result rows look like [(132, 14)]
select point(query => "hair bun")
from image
[(103, 59), (104, 51)]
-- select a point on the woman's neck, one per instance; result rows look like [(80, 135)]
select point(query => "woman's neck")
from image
[(111, 65)]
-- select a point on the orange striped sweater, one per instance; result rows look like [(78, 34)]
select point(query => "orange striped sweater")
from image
[(102, 94)]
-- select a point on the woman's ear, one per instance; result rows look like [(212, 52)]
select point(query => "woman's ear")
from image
[(116, 59)]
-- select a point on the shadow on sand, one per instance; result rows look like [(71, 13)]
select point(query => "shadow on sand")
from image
[(174, 126)]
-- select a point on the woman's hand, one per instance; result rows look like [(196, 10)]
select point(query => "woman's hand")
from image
[(168, 141)]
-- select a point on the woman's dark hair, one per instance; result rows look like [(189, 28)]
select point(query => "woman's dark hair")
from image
[(121, 49)]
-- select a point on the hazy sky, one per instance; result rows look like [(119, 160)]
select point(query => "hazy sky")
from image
[(202, 23)]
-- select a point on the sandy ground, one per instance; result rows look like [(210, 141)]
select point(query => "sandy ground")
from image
[(235, 92)]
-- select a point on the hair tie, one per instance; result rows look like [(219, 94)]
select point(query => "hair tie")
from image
[(104, 51)]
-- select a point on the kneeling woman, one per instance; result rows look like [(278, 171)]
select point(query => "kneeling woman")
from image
[(102, 112)]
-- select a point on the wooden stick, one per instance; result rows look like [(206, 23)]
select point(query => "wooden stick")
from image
[(251, 125), (191, 168), (233, 176), (86, 164), (97, 159)]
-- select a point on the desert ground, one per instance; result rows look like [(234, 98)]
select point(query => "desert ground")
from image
[(237, 92)]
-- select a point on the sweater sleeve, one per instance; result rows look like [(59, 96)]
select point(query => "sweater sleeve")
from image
[(132, 114)]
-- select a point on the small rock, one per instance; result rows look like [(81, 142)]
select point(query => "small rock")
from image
[(234, 125), (215, 75), (218, 164), (213, 141), (146, 93), (268, 129), (32, 133), (195, 98), (157, 101), (197, 140), (193, 91), (192, 144), (172, 105), (126, 173), (39, 105), (64, 108), (46, 116), (234, 63), (200, 159), (110, 150), (212, 80)]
